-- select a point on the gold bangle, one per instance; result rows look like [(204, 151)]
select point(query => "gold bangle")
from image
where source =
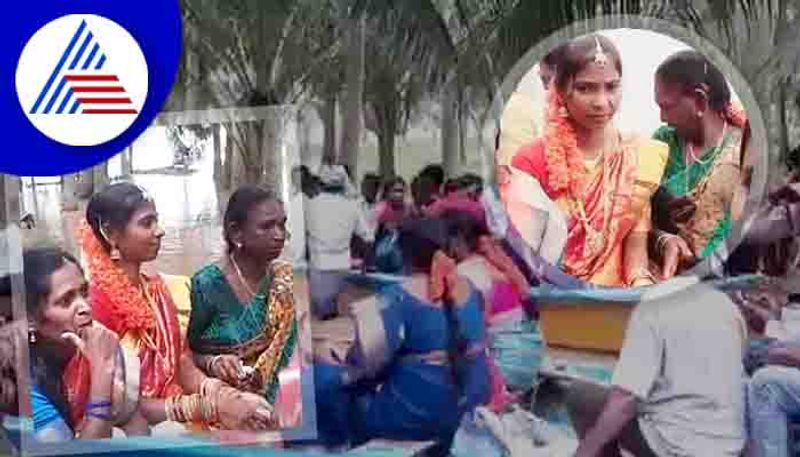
[(662, 239), (178, 408), (641, 273), (210, 386), (195, 414), (211, 362), (168, 403)]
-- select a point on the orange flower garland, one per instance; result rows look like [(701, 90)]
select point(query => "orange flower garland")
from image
[(735, 115), (128, 309), (565, 167)]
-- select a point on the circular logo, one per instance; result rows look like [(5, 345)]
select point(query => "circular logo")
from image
[(85, 80), (82, 80)]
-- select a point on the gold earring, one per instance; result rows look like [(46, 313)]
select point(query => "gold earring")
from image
[(563, 112), (699, 114), (114, 254), (31, 334)]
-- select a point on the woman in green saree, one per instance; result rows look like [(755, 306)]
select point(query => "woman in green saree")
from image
[(242, 326), (692, 209)]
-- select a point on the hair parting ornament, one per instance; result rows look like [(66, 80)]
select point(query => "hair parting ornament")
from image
[(600, 56)]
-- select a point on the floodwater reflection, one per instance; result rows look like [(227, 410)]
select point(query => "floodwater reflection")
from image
[(187, 201)]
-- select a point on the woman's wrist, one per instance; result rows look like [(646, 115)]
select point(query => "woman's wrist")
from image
[(640, 277), (193, 408), (99, 409), (102, 380), (210, 361)]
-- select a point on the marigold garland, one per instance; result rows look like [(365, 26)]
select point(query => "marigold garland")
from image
[(128, 308), (564, 160), (735, 115)]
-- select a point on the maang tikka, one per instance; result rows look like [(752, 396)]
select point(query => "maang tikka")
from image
[(600, 56)]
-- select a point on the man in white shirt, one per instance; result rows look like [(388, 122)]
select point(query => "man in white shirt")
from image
[(678, 388), (296, 219), (331, 221)]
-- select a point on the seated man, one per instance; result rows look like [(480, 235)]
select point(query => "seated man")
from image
[(774, 397), (678, 387), (780, 219)]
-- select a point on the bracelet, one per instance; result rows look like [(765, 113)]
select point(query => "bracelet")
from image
[(168, 409), (210, 386), (209, 410), (662, 240), (105, 417), (211, 362), (191, 408), (641, 273), (99, 404)]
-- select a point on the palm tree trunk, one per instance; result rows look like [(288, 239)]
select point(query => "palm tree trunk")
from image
[(783, 139), (461, 109), (127, 162), (217, 147), (100, 176), (270, 151), (386, 152), (10, 200), (450, 123), (84, 186), (227, 167), (354, 92), (3, 203), (69, 192), (252, 155), (304, 128), (329, 122)]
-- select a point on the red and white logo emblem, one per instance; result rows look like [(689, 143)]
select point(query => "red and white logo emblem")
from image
[(82, 80)]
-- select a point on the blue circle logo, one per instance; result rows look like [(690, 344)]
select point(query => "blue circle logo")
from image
[(87, 82)]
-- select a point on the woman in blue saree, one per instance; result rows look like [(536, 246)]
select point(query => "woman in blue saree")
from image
[(419, 361)]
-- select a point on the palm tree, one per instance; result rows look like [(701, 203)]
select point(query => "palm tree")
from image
[(253, 53), (405, 52)]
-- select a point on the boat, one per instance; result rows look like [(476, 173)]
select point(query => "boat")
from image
[(595, 319)]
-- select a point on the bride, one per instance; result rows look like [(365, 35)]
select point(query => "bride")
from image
[(581, 194)]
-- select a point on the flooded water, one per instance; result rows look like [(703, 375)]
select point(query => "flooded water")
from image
[(187, 201)]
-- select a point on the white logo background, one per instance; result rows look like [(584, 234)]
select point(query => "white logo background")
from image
[(39, 58)]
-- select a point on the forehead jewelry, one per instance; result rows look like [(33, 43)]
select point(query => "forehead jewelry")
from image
[(145, 195), (600, 57)]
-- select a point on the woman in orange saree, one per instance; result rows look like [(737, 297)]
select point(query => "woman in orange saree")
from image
[(600, 179), (122, 232)]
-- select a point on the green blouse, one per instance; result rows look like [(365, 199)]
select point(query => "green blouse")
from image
[(681, 178)]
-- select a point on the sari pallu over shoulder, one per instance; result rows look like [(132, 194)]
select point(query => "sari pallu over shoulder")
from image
[(267, 343)]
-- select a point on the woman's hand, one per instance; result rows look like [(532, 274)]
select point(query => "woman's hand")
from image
[(228, 368), (676, 252), (245, 411), (98, 344)]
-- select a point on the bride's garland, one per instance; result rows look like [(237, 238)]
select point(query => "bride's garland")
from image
[(564, 160), (127, 306)]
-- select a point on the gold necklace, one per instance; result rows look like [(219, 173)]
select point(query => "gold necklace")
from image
[(696, 159), (699, 160), (241, 277), (596, 238)]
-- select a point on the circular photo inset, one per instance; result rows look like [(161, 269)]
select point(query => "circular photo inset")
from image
[(624, 158)]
